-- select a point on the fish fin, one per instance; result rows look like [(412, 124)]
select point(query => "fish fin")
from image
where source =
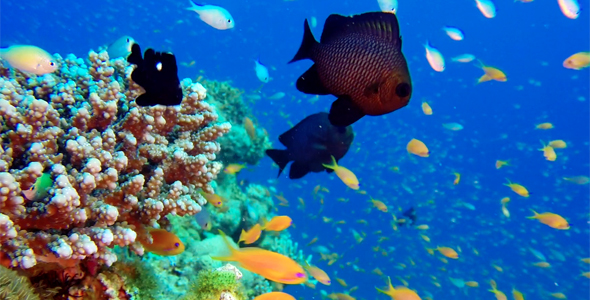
[(308, 43), (310, 82), (135, 56), (383, 26), (280, 157), (194, 6), (298, 170), (231, 248), (344, 112)]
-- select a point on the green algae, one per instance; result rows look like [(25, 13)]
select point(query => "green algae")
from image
[(210, 284)]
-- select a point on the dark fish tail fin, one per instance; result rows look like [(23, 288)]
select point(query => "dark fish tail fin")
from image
[(280, 157), (307, 44), (135, 56)]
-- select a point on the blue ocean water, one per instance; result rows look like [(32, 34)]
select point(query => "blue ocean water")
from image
[(528, 41)]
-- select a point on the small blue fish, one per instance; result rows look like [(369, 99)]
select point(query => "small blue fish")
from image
[(261, 71), (121, 47), (203, 218), (215, 16)]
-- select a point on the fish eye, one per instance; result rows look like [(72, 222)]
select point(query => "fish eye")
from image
[(176, 245), (300, 275), (51, 63), (229, 21), (159, 66), (403, 90)]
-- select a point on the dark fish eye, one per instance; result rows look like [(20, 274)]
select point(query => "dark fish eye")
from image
[(229, 21), (403, 89), (176, 245), (52, 64)]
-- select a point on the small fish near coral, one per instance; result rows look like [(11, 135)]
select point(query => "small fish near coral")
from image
[(311, 144), (359, 60), (157, 74)]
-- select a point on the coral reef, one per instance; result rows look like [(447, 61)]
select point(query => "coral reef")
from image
[(243, 144), (115, 168)]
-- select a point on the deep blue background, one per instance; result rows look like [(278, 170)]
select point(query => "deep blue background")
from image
[(528, 41)]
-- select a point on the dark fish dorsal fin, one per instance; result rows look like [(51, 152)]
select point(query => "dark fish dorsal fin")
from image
[(379, 25)]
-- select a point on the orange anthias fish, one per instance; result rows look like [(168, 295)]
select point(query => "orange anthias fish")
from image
[(278, 223), (318, 274), (457, 178), (491, 73), (275, 296), (344, 174), (426, 109), (548, 152), (518, 189), (517, 294), (250, 236), (233, 168), (417, 147), (270, 265), (448, 252), (371, 80), (499, 294), (544, 126), (577, 61), (552, 220), (163, 243), (501, 163), (399, 293), (213, 199), (379, 205), (250, 129)]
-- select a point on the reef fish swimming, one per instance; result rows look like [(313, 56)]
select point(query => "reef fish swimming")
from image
[(157, 73), (359, 60), (311, 144)]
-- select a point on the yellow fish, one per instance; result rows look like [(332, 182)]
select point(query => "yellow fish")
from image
[(344, 174), (518, 189), (552, 220)]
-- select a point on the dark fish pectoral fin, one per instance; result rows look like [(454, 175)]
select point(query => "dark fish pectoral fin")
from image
[(307, 44), (280, 157), (344, 112), (298, 170), (310, 83), (135, 56)]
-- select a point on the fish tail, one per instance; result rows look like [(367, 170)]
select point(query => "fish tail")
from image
[(194, 6), (280, 157), (333, 165), (233, 251), (535, 216), (308, 43)]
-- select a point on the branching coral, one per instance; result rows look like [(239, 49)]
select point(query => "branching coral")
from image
[(116, 167)]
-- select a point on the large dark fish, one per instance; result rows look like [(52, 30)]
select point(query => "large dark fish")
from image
[(310, 144), (359, 60), (157, 74)]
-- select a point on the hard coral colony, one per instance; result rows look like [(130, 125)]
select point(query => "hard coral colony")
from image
[(116, 169)]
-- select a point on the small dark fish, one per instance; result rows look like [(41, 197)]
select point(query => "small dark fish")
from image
[(310, 144), (408, 217), (359, 60), (157, 73)]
